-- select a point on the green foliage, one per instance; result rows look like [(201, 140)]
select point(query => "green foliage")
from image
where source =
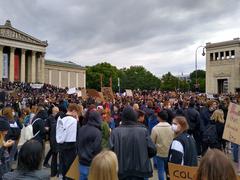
[(169, 82), (201, 74), (135, 77)]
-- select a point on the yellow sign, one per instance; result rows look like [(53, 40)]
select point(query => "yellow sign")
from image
[(232, 126), (179, 172)]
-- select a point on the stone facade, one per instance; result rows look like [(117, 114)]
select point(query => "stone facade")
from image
[(65, 74), (223, 66), (22, 58)]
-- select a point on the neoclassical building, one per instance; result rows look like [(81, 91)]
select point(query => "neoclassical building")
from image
[(22, 58), (223, 66)]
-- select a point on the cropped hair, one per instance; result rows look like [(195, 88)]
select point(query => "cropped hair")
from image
[(216, 165), (30, 156), (104, 167)]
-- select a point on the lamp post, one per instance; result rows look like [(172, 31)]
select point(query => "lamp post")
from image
[(196, 75)]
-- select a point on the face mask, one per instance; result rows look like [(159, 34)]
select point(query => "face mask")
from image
[(13, 113), (174, 127)]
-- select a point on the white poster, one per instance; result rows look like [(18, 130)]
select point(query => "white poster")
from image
[(36, 86), (5, 66)]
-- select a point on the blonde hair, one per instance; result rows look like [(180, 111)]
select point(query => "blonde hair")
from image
[(218, 116), (104, 167), (2, 136), (7, 112)]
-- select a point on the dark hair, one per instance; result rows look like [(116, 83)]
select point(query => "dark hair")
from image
[(163, 115), (140, 113), (30, 156)]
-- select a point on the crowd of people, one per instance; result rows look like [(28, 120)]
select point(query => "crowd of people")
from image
[(119, 139)]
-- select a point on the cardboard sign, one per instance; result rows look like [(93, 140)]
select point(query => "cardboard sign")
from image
[(84, 93), (73, 171), (107, 93), (179, 172), (129, 92), (232, 127)]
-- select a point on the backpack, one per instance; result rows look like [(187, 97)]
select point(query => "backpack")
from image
[(27, 133), (209, 135)]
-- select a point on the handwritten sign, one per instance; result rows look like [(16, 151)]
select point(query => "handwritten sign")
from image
[(129, 92), (179, 172), (36, 86), (232, 127)]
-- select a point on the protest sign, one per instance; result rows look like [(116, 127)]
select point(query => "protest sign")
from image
[(72, 91), (93, 93), (232, 126), (107, 93), (84, 93), (73, 171), (129, 92), (179, 172), (36, 86), (79, 93)]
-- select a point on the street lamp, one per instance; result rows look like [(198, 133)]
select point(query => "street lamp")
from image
[(196, 75)]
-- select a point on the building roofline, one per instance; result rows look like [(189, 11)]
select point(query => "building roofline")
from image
[(64, 64), (223, 43)]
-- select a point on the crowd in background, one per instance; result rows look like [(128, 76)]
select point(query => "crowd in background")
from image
[(132, 130)]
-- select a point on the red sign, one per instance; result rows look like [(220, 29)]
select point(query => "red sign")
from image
[(16, 68)]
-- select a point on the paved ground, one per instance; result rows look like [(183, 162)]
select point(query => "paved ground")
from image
[(155, 177)]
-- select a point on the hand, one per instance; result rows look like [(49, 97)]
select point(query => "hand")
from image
[(8, 143)]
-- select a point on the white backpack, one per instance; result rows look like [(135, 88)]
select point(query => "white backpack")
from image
[(27, 133)]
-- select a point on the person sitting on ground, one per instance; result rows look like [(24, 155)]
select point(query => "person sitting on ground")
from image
[(29, 163), (215, 165), (104, 166)]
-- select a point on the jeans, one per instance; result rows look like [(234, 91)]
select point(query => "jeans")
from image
[(235, 152), (161, 166), (84, 170)]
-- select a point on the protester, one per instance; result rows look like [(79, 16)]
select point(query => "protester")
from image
[(29, 163), (53, 151), (218, 118), (193, 118), (66, 136), (133, 147), (104, 167), (4, 145), (105, 129), (89, 142), (205, 119), (162, 136), (215, 165), (183, 148)]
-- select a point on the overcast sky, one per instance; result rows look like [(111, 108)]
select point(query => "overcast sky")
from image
[(161, 35)]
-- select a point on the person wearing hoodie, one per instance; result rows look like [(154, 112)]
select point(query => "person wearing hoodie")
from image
[(66, 136), (89, 142), (133, 146)]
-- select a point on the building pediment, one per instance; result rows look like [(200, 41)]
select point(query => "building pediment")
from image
[(8, 32)]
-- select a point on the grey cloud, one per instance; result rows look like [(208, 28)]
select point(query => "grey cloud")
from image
[(105, 27)]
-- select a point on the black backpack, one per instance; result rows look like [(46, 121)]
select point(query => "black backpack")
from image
[(209, 135)]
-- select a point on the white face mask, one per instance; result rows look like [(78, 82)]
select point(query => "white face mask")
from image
[(174, 127), (13, 113)]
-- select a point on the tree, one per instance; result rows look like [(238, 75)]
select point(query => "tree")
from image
[(169, 82), (104, 69), (201, 76)]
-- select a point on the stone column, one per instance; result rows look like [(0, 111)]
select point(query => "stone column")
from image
[(84, 79), (11, 72), (77, 85), (42, 64), (69, 79), (59, 79), (33, 67), (1, 62), (23, 57)]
